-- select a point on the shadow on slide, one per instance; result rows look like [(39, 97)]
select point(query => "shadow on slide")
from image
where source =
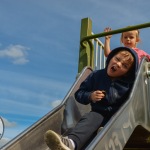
[(133, 115)]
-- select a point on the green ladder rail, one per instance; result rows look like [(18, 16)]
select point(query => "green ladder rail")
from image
[(86, 52)]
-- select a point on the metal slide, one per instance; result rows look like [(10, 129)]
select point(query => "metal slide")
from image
[(133, 115)]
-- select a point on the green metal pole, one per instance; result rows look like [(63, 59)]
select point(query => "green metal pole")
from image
[(140, 26)]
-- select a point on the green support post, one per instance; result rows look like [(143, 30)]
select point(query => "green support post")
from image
[(86, 54)]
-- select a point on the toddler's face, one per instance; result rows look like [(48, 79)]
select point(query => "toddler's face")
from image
[(118, 66), (129, 39)]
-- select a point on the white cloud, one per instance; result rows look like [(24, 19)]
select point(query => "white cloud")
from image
[(20, 61), (8, 123), (56, 103), (17, 53)]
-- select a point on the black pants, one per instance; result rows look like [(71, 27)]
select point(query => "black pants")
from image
[(86, 129)]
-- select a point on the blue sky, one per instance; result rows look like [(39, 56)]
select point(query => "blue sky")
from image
[(39, 48)]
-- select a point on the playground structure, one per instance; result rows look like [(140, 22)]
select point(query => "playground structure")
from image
[(128, 129)]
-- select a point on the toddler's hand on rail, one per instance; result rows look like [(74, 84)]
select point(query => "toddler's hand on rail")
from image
[(107, 29)]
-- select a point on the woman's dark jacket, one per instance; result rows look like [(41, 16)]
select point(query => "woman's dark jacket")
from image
[(117, 91)]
